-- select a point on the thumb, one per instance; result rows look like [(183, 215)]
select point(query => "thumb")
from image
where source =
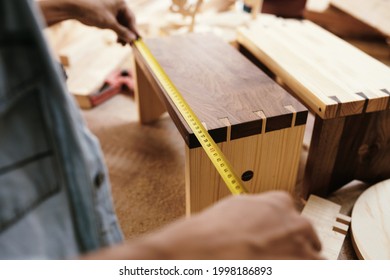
[(123, 33)]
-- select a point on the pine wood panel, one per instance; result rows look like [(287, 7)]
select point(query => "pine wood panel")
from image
[(219, 83), (330, 225), (333, 78), (371, 223), (87, 75), (89, 55), (375, 13)]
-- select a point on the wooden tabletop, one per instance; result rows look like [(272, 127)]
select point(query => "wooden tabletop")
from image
[(222, 87), (332, 77)]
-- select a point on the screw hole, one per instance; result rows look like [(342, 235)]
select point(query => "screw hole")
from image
[(247, 175)]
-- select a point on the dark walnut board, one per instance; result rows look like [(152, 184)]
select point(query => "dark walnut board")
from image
[(218, 83)]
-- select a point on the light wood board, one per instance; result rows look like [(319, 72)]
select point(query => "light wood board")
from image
[(375, 13), (371, 223), (330, 226), (89, 55), (330, 76)]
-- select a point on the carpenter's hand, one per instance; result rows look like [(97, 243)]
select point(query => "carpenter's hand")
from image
[(111, 14), (265, 226)]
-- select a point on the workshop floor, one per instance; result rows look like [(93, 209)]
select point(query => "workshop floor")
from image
[(146, 165)]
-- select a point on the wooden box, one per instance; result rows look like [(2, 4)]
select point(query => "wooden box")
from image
[(256, 123)]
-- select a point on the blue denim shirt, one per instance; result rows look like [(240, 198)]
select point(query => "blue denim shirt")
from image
[(55, 199)]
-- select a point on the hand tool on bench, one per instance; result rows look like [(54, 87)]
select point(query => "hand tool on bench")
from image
[(118, 81)]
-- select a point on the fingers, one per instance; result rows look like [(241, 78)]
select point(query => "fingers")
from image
[(123, 33), (300, 229), (306, 250), (131, 23), (126, 19), (305, 229), (312, 235)]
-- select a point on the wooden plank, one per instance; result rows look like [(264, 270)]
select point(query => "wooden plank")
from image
[(330, 76), (70, 54), (88, 74), (218, 82), (375, 13), (330, 225), (89, 55), (322, 156), (371, 223)]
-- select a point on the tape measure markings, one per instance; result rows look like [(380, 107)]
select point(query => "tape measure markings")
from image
[(224, 168)]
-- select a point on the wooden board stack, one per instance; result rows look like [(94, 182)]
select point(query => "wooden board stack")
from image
[(258, 125), (89, 56), (346, 89)]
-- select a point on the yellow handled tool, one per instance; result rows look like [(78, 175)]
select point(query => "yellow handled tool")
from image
[(232, 181)]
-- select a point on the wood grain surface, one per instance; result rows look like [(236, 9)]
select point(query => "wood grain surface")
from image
[(219, 83), (371, 223), (375, 13), (348, 148), (333, 78)]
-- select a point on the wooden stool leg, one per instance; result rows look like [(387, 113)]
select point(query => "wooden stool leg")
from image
[(322, 155), (364, 152), (344, 149), (150, 107), (272, 157)]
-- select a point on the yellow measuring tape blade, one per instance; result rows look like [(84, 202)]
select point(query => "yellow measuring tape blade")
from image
[(232, 181)]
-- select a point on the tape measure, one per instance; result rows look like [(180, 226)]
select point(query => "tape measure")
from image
[(232, 181)]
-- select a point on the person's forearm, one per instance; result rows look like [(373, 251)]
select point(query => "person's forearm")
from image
[(55, 11), (140, 249), (272, 229)]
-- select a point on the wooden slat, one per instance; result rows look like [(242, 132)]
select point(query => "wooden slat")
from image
[(330, 225), (218, 82), (375, 13), (332, 77)]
